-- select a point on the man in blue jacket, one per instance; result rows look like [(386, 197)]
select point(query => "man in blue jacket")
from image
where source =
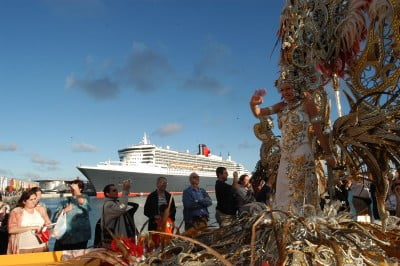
[(195, 202)]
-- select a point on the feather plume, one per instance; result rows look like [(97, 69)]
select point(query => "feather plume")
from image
[(380, 10), (351, 30)]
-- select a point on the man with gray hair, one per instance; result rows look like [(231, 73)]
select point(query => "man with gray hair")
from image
[(195, 202)]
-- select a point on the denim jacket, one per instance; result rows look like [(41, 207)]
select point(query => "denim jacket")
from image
[(78, 223), (195, 203)]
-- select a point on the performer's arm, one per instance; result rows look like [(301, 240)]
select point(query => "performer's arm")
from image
[(257, 99)]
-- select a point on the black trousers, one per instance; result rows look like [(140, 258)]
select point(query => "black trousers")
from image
[(3, 242), (58, 246)]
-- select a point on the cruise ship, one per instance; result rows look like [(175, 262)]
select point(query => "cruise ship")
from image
[(143, 163)]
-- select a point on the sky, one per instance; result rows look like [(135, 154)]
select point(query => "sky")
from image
[(81, 79)]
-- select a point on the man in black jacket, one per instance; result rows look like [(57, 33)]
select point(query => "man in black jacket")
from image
[(226, 197), (156, 199)]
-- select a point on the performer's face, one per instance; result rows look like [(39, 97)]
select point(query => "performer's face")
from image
[(287, 91)]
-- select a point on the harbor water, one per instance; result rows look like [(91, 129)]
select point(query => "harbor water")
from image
[(140, 219)]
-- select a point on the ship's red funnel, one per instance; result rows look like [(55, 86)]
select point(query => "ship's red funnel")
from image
[(203, 150), (206, 151)]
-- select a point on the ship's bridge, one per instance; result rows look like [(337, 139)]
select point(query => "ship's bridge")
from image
[(140, 154)]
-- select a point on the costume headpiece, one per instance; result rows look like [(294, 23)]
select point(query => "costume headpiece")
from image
[(320, 38)]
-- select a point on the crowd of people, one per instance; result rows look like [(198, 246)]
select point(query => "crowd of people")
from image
[(360, 197), (22, 229), (26, 228)]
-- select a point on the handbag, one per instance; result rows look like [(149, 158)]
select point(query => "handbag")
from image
[(61, 226), (44, 235), (101, 235), (130, 226)]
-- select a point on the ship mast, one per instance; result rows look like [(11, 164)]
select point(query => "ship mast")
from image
[(145, 139)]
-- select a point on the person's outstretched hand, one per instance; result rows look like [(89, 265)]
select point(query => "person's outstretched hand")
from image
[(75, 189), (257, 97), (126, 185)]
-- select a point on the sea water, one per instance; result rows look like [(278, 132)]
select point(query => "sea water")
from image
[(96, 205)]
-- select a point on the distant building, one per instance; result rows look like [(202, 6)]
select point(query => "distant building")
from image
[(10, 184), (62, 186), (54, 186)]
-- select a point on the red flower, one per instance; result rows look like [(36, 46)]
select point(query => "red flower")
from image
[(133, 249)]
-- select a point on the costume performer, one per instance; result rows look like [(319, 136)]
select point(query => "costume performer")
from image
[(297, 183)]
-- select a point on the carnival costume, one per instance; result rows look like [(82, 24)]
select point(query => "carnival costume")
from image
[(296, 182), (357, 41)]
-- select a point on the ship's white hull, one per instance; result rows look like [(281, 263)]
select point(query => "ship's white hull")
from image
[(143, 183)]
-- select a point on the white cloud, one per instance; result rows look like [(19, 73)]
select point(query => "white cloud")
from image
[(38, 159), (146, 68), (99, 88), (205, 82), (169, 129), (213, 62), (8, 147), (83, 148)]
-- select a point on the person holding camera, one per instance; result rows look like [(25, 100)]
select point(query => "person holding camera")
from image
[(78, 224), (117, 215)]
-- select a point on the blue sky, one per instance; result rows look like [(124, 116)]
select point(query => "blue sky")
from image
[(82, 79)]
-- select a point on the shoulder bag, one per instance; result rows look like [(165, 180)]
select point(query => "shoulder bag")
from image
[(61, 225)]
